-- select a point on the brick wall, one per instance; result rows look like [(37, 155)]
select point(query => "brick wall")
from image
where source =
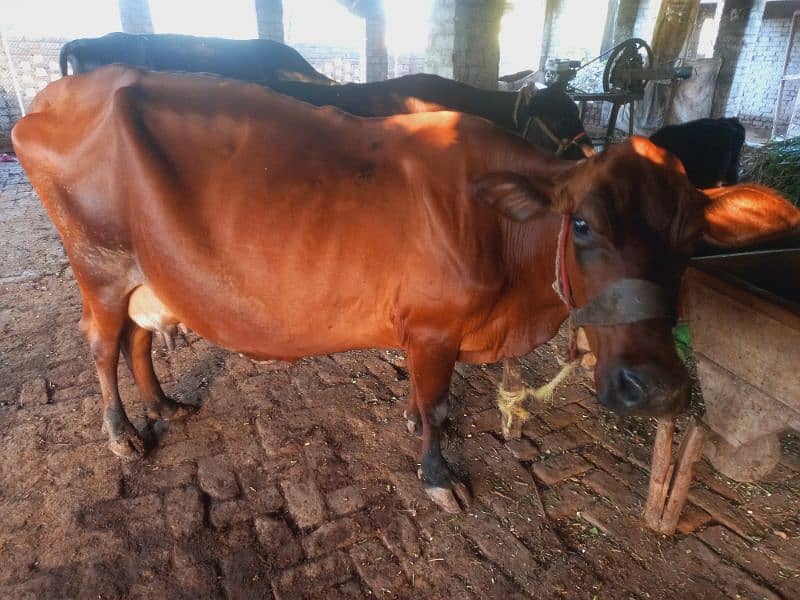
[(344, 65), (757, 105), (341, 64), (36, 65), (740, 80), (406, 64)]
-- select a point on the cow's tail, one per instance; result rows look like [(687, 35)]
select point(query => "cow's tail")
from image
[(67, 52), (62, 58)]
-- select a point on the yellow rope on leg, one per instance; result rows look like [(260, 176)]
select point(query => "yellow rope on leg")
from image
[(545, 392), (510, 403)]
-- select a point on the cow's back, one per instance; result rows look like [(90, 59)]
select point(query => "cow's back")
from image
[(255, 60), (248, 60)]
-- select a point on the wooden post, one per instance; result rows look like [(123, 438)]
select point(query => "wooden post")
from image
[(673, 27), (785, 75), (660, 473), (670, 479)]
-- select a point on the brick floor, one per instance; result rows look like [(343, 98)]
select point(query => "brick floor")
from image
[(298, 481)]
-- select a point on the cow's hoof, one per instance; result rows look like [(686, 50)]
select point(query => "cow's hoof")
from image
[(413, 424), (170, 410), (128, 444), (453, 499)]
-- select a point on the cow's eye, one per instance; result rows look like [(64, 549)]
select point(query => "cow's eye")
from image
[(580, 227)]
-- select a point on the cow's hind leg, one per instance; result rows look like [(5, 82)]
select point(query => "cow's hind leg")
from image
[(411, 413), (103, 329), (137, 346), (430, 367)]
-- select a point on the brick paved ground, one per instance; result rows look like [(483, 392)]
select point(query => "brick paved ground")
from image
[(298, 480)]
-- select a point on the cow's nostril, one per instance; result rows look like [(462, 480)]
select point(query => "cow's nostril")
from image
[(630, 387)]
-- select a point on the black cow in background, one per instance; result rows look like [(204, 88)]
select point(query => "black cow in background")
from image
[(710, 149), (256, 61), (545, 118)]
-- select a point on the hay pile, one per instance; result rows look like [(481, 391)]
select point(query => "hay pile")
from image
[(776, 165)]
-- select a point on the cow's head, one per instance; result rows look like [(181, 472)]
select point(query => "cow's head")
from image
[(631, 222), (548, 118)]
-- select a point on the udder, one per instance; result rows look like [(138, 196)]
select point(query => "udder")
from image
[(148, 312)]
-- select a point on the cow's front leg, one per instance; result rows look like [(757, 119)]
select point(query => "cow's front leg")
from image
[(430, 367), (137, 345)]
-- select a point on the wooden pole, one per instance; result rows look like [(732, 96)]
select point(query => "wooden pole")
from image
[(670, 479), (660, 473), (690, 453)]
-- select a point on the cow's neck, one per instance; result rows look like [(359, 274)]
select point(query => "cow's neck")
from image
[(531, 310), (496, 106)]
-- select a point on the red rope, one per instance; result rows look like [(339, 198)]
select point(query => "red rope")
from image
[(565, 289), (563, 276), (580, 136)]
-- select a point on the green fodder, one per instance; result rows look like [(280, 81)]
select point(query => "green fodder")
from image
[(776, 165)]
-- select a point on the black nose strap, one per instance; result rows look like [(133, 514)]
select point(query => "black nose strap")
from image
[(625, 301)]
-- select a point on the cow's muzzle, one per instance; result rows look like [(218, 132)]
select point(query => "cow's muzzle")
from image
[(645, 390)]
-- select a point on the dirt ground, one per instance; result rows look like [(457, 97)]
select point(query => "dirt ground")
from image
[(298, 480)]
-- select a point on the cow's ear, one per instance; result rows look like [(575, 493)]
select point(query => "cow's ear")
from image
[(656, 154), (514, 196), (747, 214)]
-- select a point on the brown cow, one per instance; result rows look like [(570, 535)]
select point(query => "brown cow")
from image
[(280, 230)]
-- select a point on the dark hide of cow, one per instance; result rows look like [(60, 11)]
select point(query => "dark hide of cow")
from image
[(708, 148), (248, 60), (514, 111), (280, 230)]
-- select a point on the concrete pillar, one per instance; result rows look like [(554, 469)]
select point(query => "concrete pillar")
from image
[(377, 56), (647, 13), (551, 11), (269, 18), (135, 16), (738, 30), (441, 38), (463, 41), (624, 22), (476, 56)]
